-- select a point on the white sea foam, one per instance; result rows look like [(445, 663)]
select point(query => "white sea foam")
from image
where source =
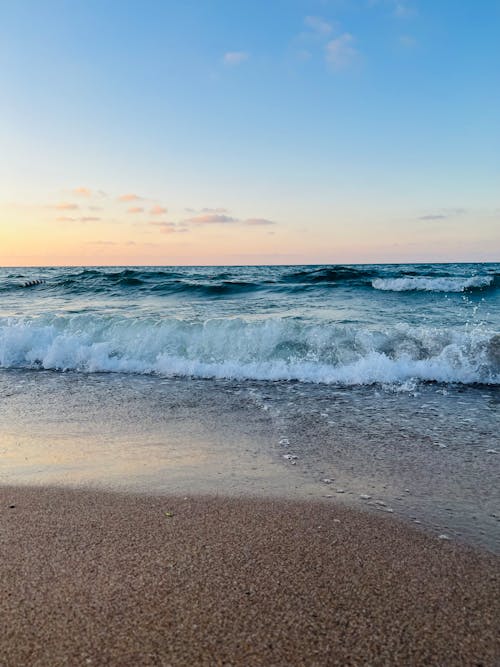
[(266, 349), (431, 284)]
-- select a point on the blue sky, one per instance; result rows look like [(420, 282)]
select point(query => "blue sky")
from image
[(364, 130)]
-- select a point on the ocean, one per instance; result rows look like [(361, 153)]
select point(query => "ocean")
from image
[(382, 380), (346, 325)]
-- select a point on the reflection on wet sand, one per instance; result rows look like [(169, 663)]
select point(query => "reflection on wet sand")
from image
[(425, 453)]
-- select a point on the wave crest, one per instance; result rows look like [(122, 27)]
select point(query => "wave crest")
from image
[(266, 349), (432, 284)]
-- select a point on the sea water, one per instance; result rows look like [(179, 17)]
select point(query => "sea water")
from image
[(383, 379), (346, 325)]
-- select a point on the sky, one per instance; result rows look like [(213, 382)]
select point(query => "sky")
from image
[(149, 132)]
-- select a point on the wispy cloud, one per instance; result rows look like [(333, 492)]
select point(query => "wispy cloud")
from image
[(433, 216), (338, 47), (82, 192), (400, 9), (135, 209), (318, 25), (169, 227), (258, 222), (85, 218), (235, 57), (340, 52), (115, 243), (129, 197), (404, 11), (66, 206), (211, 219), (214, 210), (158, 210), (443, 214)]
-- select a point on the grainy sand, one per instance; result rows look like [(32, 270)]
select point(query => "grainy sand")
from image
[(96, 578)]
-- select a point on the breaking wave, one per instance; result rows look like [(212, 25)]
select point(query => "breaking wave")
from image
[(277, 348), (432, 284)]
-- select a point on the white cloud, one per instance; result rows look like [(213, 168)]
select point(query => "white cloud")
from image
[(340, 52), (318, 25), (404, 11), (235, 57), (400, 9)]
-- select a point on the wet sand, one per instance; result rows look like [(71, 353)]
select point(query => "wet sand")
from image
[(430, 457), (101, 578)]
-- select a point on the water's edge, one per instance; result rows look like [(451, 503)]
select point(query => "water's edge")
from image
[(429, 456)]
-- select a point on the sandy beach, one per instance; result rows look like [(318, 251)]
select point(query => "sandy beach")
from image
[(100, 578)]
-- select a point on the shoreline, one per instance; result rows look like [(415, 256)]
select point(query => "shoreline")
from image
[(118, 578), (427, 456)]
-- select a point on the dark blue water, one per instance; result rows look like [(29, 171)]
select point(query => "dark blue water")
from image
[(347, 325)]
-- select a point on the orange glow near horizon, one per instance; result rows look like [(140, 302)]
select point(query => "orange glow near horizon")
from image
[(91, 228)]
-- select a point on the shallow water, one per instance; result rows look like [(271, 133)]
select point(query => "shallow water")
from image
[(430, 454)]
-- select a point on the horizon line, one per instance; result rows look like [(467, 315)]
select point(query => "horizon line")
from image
[(110, 266)]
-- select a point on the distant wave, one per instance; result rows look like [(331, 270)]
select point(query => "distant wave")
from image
[(144, 282), (432, 284), (331, 274), (275, 348), (198, 283), (215, 283)]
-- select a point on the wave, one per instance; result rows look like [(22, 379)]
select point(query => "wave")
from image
[(433, 284), (209, 282), (212, 282), (216, 288), (94, 281), (329, 274), (266, 349)]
